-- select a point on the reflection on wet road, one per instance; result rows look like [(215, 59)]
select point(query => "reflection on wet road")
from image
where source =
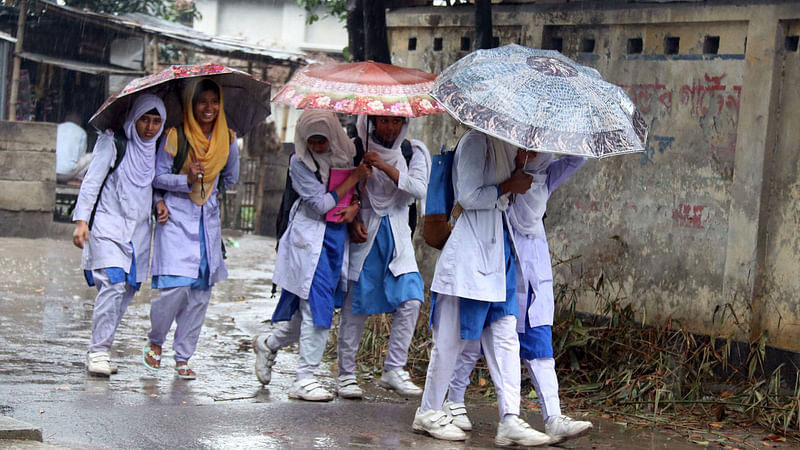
[(45, 318)]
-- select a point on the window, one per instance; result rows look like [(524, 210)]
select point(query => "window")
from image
[(587, 45), (672, 45), (635, 46), (711, 45), (790, 44), (412, 44), (466, 45), (437, 44), (556, 43)]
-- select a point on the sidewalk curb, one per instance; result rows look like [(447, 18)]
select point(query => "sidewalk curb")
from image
[(14, 429)]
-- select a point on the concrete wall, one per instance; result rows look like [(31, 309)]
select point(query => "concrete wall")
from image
[(702, 227), (28, 178)]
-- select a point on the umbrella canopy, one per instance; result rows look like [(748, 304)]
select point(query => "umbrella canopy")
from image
[(361, 88), (246, 97), (542, 101)]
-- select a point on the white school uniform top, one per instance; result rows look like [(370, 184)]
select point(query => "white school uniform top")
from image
[(533, 254), (412, 184), (301, 244), (123, 215), (472, 262)]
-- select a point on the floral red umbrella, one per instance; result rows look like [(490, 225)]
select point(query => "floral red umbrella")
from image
[(361, 88), (246, 97)]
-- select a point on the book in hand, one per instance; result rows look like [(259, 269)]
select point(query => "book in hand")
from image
[(336, 178)]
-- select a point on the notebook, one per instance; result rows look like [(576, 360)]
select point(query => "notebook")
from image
[(336, 178)]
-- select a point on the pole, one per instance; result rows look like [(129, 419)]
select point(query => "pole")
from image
[(155, 53), (12, 107)]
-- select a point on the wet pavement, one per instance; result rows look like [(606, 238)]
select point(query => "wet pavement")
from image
[(45, 318)]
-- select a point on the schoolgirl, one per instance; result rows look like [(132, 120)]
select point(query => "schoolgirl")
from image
[(116, 251), (187, 250), (312, 253), (535, 298), (474, 287), (383, 268)]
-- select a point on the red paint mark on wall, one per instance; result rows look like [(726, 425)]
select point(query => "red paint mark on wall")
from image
[(702, 96), (690, 216), (645, 94), (705, 96)]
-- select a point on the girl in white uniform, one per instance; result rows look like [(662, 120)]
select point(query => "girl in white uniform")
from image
[(383, 269), (312, 253), (535, 298), (116, 253), (474, 289)]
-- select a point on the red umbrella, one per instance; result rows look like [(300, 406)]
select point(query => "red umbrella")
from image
[(361, 88), (246, 97)]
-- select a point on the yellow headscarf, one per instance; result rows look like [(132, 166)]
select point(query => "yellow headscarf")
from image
[(213, 154)]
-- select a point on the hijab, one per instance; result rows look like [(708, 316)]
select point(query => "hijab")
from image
[(381, 190), (525, 215), (504, 155), (340, 152), (138, 167), (213, 152)]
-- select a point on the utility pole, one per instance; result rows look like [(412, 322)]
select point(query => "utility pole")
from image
[(23, 14), (483, 24)]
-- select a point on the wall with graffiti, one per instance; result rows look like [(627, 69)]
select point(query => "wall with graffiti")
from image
[(652, 228)]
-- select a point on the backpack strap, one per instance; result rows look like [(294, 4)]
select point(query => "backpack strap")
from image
[(408, 152), (182, 152), (120, 145), (359, 151)]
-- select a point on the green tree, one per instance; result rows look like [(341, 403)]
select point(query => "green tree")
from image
[(335, 8), (173, 10)]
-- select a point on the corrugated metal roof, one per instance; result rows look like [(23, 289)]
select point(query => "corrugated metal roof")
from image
[(80, 66), (180, 34)]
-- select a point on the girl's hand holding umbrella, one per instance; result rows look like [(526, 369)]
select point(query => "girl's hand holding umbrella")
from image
[(518, 183)]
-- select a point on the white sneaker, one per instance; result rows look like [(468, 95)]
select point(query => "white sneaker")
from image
[(437, 424), (515, 431), (310, 390), (265, 358), (400, 382), (98, 363), (458, 412), (347, 387), (563, 427)]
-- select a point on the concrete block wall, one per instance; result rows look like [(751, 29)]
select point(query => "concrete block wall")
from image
[(702, 227), (28, 178)]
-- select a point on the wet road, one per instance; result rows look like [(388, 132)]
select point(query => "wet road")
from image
[(45, 318)]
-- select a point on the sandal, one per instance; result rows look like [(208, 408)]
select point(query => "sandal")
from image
[(185, 372), (148, 352)]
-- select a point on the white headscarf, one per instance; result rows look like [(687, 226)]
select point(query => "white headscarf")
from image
[(504, 155), (138, 167), (528, 209), (381, 190), (341, 151)]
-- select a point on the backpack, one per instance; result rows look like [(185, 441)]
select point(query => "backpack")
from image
[(121, 144), (408, 152), (287, 200), (439, 201)]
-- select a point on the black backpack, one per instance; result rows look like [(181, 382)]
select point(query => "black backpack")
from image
[(287, 200), (121, 144)]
